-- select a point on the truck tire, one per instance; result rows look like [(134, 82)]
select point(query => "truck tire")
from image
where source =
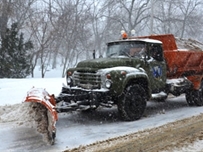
[(132, 103), (198, 100), (195, 97), (190, 96)]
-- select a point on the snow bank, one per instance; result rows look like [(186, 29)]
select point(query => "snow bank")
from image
[(19, 113), (33, 115)]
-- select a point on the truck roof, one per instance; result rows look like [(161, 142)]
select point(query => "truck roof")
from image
[(173, 43), (147, 40), (168, 40)]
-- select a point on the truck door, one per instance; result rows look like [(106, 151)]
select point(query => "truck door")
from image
[(156, 67)]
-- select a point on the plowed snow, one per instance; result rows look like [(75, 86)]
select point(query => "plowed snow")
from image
[(189, 44), (33, 115)]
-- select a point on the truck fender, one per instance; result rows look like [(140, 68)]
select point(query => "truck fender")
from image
[(138, 78)]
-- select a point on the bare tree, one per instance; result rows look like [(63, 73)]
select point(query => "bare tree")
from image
[(131, 13), (70, 24), (22, 10), (188, 9), (166, 16), (99, 21), (43, 37), (178, 17)]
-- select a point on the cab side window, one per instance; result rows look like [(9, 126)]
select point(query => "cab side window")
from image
[(157, 52)]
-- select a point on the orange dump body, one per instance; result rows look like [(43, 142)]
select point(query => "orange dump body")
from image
[(181, 62)]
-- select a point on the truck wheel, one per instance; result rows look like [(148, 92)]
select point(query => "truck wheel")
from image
[(132, 104), (198, 98), (195, 97), (189, 95)]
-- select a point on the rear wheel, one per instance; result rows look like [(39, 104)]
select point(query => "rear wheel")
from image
[(132, 104), (195, 97), (190, 97), (198, 100)]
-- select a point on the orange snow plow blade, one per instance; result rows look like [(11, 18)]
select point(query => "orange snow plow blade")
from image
[(41, 96)]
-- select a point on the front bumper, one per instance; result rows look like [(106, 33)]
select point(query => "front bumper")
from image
[(79, 94)]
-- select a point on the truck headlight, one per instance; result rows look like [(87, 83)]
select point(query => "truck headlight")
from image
[(69, 80), (108, 84)]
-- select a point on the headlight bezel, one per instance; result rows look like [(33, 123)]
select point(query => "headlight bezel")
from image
[(69, 80), (108, 84)]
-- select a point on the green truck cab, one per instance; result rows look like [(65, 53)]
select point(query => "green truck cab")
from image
[(131, 72)]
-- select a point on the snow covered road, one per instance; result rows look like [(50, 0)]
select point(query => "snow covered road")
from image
[(76, 128)]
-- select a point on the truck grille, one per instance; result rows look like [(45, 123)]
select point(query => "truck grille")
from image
[(87, 80)]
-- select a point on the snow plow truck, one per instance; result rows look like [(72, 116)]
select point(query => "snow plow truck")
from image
[(134, 71)]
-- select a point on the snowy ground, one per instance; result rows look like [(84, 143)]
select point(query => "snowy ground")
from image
[(77, 129)]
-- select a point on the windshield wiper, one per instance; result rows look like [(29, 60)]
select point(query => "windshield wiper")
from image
[(124, 53), (112, 54)]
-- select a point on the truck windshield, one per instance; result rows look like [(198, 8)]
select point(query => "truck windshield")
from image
[(125, 48)]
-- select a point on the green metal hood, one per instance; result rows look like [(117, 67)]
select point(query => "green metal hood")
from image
[(101, 63)]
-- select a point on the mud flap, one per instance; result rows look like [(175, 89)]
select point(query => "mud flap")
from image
[(39, 97)]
